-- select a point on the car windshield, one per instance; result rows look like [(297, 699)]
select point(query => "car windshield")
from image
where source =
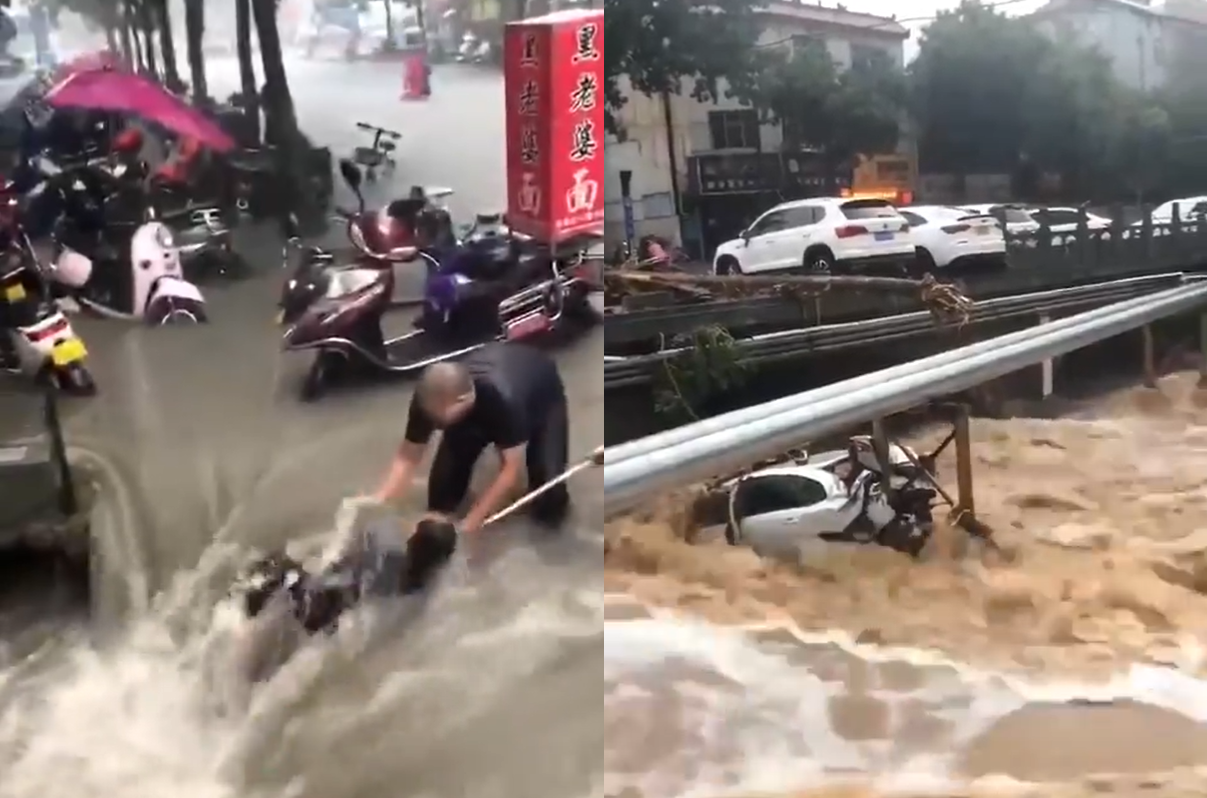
[(867, 209)]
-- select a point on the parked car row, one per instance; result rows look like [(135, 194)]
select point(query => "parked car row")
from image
[(832, 234), (827, 234)]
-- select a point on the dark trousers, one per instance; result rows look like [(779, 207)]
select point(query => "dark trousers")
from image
[(547, 457)]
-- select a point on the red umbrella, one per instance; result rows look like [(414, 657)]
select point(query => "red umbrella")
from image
[(127, 93), (101, 59)]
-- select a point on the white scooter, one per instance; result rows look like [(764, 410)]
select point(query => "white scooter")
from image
[(834, 498), (154, 290)]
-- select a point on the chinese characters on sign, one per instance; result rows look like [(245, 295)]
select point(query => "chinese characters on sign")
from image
[(585, 46), (584, 141), (530, 54), (583, 96), (579, 135), (525, 68), (553, 70), (530, 148)]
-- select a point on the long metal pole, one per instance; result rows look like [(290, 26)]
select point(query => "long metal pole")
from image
[(663, 440), (630, 480)]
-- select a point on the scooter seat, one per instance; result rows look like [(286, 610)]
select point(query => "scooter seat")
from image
[(367, 156)]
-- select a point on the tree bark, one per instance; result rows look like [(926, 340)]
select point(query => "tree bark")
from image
[(280, 117), (194, 34), (247, 67), (144, 22), (293, 155), (167, 45)]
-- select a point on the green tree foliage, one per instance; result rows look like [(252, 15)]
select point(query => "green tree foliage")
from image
[(659, 43), (991, 93), (841, 112)]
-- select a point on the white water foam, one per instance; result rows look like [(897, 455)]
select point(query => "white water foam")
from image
[(757, 723)]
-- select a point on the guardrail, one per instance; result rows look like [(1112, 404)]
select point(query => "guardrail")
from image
[(621, 372), (635, 471)]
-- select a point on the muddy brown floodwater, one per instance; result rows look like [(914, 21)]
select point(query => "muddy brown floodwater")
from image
[(1071, 664)]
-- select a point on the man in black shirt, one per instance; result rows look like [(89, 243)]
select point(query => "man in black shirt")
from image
[(506, 395)]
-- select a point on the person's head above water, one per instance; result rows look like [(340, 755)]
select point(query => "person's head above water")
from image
[(446, 393)]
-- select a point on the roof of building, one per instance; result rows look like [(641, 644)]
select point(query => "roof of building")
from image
[(1140, 7), (837, 15)]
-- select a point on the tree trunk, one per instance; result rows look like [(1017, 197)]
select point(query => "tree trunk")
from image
[(390, 41), (296, 187), (194, 34), (247, 68), (145, 22), (167, 45), (278, 102)]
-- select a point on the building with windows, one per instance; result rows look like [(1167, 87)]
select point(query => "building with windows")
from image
[(699, 172), (1146, 42)]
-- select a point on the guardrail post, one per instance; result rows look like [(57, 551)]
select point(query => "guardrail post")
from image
[(965, 509), (1150, 357), (1048, 367), (1203, 350), (880, 446)]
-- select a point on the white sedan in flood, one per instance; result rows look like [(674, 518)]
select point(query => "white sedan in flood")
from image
[(953, 238)]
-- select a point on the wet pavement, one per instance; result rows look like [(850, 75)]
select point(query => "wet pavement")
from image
[(210, 453)]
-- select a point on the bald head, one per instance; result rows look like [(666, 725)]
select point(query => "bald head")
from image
[(443, 385)]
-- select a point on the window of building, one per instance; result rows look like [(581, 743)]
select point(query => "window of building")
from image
[(803, 41), (734, 129), (866, 56)]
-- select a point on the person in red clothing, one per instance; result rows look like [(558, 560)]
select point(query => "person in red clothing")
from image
[(178, 168)]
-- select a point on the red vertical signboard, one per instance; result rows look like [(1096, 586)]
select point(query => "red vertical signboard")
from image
[(554, 80)]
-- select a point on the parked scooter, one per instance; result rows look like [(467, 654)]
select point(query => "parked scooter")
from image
[(337, 312), (148, 285), (40, 341)]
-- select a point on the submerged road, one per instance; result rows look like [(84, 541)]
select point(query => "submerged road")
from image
[(205, 427)]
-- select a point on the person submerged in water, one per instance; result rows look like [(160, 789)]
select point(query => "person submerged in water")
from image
[(282, 597)]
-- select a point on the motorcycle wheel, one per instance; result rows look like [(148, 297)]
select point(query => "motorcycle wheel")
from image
[(176, 310), (321, 375), (75, 380)]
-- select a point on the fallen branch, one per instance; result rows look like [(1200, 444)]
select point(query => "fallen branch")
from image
[(945, 301)]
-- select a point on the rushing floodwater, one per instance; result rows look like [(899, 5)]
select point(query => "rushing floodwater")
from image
[(203, 453), (1077, 654)]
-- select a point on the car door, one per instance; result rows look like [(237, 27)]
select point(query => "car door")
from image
[(767, 511), (791, 242), (764, 244)]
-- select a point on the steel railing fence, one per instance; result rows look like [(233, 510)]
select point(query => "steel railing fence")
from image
[(647, 467)]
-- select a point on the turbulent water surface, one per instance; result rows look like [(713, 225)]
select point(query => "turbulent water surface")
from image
[(203, 453), (1073, 658)]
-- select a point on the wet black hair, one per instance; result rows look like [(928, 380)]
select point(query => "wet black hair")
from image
[(428, 550), (268, 576)]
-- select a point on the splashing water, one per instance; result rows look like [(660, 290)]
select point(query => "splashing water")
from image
[(1101, 600), (491, 690)]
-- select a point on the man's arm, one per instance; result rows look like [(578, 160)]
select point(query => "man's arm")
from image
[(509, 436), (406, 459), (498, 492)]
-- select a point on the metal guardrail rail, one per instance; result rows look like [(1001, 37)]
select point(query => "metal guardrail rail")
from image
[(621, 372), (634, 472)]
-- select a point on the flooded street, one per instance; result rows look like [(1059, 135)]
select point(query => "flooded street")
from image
[(1079, 653), (205, 454)]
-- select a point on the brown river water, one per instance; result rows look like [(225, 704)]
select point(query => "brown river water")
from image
[(1068, 663)]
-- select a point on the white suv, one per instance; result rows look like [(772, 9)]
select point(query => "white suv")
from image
[(820, 234)]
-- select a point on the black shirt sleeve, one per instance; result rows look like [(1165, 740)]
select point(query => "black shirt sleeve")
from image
[(419, 425), (502, 422)]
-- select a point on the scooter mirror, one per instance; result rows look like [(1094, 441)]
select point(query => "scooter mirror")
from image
[(292, 228)]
